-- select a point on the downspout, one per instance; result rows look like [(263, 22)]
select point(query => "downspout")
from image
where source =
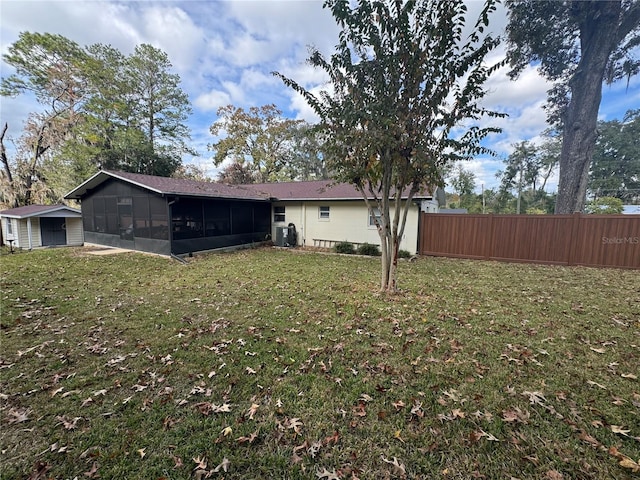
[(304, 223), (419, 232), (29, 233)]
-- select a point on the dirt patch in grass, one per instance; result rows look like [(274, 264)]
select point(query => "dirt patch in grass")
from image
[(268, 364)]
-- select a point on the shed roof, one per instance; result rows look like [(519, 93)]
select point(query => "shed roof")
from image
[(41, 211)]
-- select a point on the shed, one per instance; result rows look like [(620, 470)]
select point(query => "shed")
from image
[(34, 226)]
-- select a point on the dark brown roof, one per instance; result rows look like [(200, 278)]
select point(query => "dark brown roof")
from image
[(169, 186), (190, 187), (35, 210), (314, 190)]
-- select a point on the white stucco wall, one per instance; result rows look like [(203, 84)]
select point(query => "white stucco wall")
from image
[(348, 221)]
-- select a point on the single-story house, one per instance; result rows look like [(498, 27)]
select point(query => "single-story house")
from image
[(326, 213), (178, 216), (34, 226)]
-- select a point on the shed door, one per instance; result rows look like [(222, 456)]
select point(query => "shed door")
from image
[(52, 231)]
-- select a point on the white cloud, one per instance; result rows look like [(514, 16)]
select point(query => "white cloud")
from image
[(163, 26), (522, 124), (503, 92), (213, 100), (303, 110), (254, 79), (235, 90)]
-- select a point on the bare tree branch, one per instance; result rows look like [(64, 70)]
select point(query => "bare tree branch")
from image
[(3, 155)]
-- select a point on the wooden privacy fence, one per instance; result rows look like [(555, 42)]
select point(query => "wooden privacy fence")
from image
[(593, 240)]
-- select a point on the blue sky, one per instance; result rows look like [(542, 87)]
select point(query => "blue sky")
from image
[(224, 52)]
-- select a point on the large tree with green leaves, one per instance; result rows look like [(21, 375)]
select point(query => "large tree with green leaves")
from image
[(404, 98), (258, 141), (462, 182), (527, 171), (579, 45), (615, 170), (48, 67), (100, 109), (159, 109), (521, 171), (308, 159)]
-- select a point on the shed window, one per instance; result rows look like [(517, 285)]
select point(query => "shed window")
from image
[(278, 214), (9, 227), (323, 212)]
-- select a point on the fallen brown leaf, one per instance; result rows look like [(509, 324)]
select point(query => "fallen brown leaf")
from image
[(224, 466), (628, 463), (619, 430), (94, 469), (398, 468)]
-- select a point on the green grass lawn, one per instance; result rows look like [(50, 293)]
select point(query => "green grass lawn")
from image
[(280, 364)]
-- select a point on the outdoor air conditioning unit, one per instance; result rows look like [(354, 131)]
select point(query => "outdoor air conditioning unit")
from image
[(281, 236)]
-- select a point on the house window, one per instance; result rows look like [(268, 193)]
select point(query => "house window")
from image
[(323, 213), (278, 214), (9, 227), (374, 214)]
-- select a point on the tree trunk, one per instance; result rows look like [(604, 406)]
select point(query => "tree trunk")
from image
[(3, 155), (12, 197), (598, 35)]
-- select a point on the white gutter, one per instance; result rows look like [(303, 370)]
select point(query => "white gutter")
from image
[(304, 223)]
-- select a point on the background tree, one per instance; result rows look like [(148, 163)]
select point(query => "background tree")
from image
[(160, 108), (615, 171), (191, 172), (549, 156), (98, 141), (580, 45), (605, 206), (404, 84), (463, 182), (307, 158), (236, 173), (49, 68), (258, 140), (23, 179), (521, 171), (527, 171), (100, 110)]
